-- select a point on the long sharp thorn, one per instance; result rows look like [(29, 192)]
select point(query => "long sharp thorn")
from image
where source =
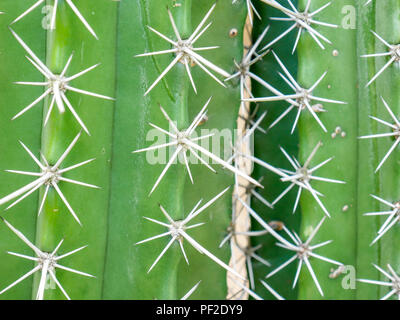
[(37, 268), (202, 22), (53, 100), (201, 249), (171, 160), (162, 253), (67, 151), (31, 53), (33, 7), (310, 269), (34, 103), (169, 67), (66, 203), (69, 253), (24, 189), (189, 293), (272, 291), (23, 238), (79, 15), (54, 15), (53, 276), (44, 199), (25, 196), (74, 271), (74, 113), (88, 93)]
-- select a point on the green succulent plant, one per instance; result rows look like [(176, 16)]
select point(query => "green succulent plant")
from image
[(176, 149)]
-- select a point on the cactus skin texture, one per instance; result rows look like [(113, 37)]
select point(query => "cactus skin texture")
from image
[(352, 232), (113, 220), (61, 130), (385, 182), (111, 227), (355, 160), (29, 131)]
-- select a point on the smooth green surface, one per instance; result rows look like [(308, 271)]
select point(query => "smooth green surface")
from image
[(354, 160), (368, 156)]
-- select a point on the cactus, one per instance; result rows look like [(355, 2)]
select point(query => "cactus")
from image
[(350, 140), (79, 119), (128, 167), (348, 124)]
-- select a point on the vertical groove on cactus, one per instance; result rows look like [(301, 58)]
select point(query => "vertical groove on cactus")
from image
[(90, 205), (55, 222), (171, 277), (368, 182)]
